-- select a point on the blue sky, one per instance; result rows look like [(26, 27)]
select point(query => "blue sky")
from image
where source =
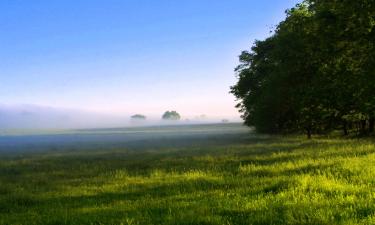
[(129, 56)]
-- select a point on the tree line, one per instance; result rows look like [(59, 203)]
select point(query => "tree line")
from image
[(315, 73), (168, 115)]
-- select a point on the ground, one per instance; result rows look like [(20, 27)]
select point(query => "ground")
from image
[(203, 174)]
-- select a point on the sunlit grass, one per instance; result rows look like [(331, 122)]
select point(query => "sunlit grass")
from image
[(252, 180)]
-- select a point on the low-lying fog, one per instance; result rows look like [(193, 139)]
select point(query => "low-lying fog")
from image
[(40, 117)]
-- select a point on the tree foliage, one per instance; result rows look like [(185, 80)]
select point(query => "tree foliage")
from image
[(314, 73), (138, 117), (171, 115)]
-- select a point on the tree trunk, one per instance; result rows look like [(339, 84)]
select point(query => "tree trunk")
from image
[(363, 127), (345, 127), (358, 127), (371, 125), (308, 131)]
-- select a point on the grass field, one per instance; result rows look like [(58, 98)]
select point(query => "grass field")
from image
[(207, 174)]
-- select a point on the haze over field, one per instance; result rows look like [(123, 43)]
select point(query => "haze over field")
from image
[(68, 64), (41, 117)]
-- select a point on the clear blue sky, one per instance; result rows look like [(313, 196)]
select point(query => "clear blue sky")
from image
[(129, 56)]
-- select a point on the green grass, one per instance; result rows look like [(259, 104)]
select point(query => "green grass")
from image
[(237, 178)]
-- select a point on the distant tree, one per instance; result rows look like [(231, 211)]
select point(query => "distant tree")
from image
[(138, 117), (171, 115), (225, 121)]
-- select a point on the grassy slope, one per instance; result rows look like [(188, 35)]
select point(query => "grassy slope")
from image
[(221, 179)]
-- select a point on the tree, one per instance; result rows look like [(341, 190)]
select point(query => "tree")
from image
[(171, 115), (138, 117), (315, 72), (267, 73)]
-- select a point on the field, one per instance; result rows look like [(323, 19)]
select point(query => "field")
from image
[(202, 174)]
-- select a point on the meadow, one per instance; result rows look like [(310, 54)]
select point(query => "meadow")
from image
[(201, 174)]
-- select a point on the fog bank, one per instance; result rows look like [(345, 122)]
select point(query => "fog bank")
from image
[(44, 117)]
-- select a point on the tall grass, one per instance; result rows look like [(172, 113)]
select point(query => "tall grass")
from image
[(249, 179)]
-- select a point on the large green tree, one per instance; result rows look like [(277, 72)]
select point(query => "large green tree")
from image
[(315, 73)]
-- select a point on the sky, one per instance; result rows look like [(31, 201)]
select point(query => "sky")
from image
[(129, 56)]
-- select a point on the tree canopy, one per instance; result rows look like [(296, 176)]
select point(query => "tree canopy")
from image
[(315, 73), (138, 117), (171, 115)]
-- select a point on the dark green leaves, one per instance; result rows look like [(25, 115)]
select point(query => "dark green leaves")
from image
[(314, 73)]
